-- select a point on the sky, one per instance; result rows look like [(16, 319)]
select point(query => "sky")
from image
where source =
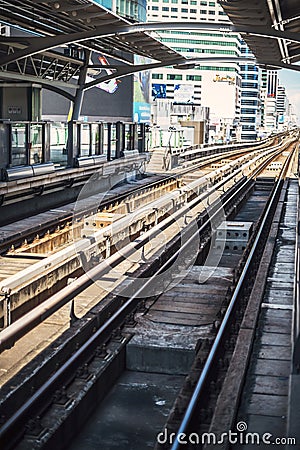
[(290, 79)]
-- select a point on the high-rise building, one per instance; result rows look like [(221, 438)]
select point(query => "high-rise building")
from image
[(268, 98), (216, 85), (282, 106), (132, 10), (244, 101), (249, 120)]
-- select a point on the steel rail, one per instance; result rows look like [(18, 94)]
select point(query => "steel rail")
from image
[(9, 335), (70, 216), (44, 393), (226, 322), (20, 327), (13, 282)]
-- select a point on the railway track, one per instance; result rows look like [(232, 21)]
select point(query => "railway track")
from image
[(25, 231), (99, 329), (212, 407), (35, 270)]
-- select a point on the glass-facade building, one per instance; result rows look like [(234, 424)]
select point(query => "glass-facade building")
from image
[(133, 10), (208, 82), (250, 102)]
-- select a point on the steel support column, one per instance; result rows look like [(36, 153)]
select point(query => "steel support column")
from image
[(81, 82)]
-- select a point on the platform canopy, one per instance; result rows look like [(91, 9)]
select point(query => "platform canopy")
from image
[(62, 33), (271, 28)]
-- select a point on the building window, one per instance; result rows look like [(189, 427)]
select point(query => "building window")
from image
[(248, 111), (248, 127), (157, 76), (251, 68), (211, 3), (248, 119), (198, 41), (174, 9), (249, 94), (173, 76), (250, 76), (203, 3), (184, 10), (212, 13), (165, 8), (193, 78), (193, 11), (249, 85), (249, 102), (203, 11), (154, 8)]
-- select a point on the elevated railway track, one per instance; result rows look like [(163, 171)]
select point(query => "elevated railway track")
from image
[(36, 269), (182, 234)]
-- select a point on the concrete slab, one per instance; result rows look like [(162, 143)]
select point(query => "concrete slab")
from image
[(267, 405), (270, 385), (165, 338), (132, 414)]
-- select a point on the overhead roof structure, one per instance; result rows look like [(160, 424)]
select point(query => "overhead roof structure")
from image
[(271, 28), (64, 33), (54, 25), (70, 17)]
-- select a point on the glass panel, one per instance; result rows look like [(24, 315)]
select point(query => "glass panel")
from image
[(36, 147), (127, 137), (58, 143), (95, 138), (18, 149), (113, 140), (85, 139), (105, 139)]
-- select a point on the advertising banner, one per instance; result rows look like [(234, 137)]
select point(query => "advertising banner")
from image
[(141, 85), (109, 86), (159, 91), (183, 93)]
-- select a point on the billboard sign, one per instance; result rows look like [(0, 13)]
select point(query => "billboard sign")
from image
[(141, 84), (159, 91), (183, 93), (221, 94), (109, 86)]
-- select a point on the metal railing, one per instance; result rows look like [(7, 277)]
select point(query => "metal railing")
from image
[(296, 321)]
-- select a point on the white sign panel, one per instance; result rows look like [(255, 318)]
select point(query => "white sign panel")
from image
[(220, 94), (183, 93)]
